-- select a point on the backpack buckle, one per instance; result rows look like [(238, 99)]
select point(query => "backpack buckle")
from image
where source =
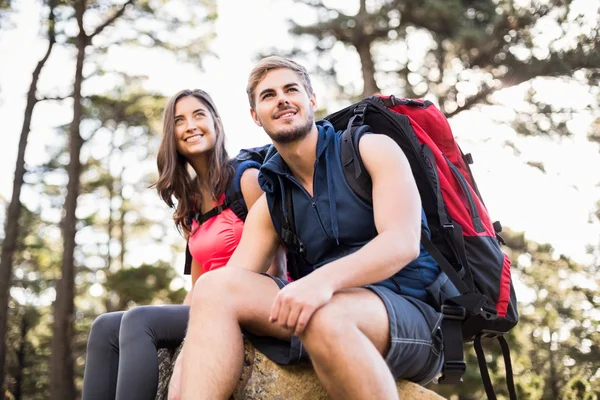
[(360, 109), (453, 372), (454, 312)]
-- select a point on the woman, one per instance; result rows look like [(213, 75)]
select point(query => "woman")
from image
[(121, 355)]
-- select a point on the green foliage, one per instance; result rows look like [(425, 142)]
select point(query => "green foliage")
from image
[(145, 284), (457, 53)]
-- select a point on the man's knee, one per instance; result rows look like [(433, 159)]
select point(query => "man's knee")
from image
[(215, 286), (327, 325)]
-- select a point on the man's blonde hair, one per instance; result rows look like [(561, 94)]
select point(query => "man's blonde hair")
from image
[(270, 63)]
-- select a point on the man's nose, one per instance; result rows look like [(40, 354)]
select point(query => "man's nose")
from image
[(282, 99)]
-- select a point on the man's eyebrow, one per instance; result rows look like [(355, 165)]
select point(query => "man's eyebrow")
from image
[(265, 91), (270, 90), (193, 112)]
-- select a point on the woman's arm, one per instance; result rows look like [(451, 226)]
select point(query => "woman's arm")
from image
[(196, 272), (251, 191)]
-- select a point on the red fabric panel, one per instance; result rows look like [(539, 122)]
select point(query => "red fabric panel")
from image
[(432, 128), (504, 295)]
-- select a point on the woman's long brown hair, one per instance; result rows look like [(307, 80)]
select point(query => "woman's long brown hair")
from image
[(174, 180)]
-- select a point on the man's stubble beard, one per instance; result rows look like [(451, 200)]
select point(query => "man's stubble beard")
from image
[(293, 135)]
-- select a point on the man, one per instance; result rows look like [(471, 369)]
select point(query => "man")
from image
[(360, 308)]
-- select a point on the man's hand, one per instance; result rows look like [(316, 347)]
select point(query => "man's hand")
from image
[(296, 303)]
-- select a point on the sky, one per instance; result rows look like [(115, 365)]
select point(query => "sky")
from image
[(550, 207)]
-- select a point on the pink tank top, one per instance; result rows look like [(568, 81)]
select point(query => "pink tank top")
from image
[(213, 242)]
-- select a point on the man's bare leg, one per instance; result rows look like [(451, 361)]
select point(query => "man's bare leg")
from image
[(346, 339), (223, 301)]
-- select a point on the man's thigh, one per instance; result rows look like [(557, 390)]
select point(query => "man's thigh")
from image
[(251, 295)]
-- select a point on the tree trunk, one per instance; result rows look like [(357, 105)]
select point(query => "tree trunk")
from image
[(368, 68), (62, 385), (11, 227), (362, 42), (110, 225), (21, 358), (123, 211), (554, 386)]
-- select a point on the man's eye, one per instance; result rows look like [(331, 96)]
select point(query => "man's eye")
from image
[(267, 95), (293, 89)]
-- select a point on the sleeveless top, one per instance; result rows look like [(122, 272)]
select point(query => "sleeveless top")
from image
[(212, 243), (335, 222)]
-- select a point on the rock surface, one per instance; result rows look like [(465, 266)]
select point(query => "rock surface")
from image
[(264, 380)]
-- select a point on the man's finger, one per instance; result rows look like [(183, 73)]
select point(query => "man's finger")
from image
[(303, 318), (284, 310), (275, 309), (295, 310)]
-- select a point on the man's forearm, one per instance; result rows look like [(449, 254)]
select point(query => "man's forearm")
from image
[(379, 259)]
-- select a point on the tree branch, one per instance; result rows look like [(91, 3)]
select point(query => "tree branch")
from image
[(111, 19), (472, 101), (58, 98)]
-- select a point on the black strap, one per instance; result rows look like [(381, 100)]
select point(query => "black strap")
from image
[(237, 204), (483, 369), (289, 232), (454, 363), (202, 218), (356, 175), (452, 233), (441, 207), (510, 383), (296, 251), (187, 269), (454, 236), (443, 263)]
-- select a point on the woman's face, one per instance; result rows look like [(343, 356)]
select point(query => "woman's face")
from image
[(194, 127)]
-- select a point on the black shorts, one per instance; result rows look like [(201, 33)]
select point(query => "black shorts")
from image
[(416, 341)]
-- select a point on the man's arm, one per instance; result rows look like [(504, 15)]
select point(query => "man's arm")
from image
[(397, 213), (259, 242)]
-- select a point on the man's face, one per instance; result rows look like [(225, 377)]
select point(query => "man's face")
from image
[(283, 107)]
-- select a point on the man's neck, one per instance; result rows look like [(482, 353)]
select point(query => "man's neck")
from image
[(300, 156)]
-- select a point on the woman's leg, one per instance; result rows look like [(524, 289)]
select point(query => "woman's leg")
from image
[(102, 360), (145, 329)]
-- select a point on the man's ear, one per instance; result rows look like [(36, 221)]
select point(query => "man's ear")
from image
[(255, 117), (313, 101)]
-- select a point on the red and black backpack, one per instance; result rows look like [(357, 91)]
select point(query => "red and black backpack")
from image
[(474, 291)]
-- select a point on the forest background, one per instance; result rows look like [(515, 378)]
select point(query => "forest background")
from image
[(82, 88)]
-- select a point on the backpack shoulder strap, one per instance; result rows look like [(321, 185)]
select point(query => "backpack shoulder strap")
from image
[(354, 170), (234, 198), (187, 269)]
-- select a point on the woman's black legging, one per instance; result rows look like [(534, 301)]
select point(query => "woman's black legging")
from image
[(121, 361)]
